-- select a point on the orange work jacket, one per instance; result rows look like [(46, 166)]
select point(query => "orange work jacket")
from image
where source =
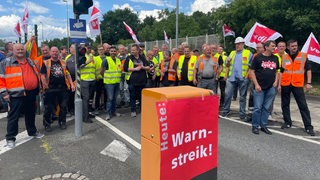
[(293, 70)]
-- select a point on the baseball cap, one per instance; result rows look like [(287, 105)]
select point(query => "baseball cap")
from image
[(239, 40)]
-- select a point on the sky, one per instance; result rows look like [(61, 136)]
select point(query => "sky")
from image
[(51, 15)]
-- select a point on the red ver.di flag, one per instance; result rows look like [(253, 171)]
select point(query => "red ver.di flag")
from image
[(312, 48), (132, 34), (260, 33), (189, 137), (227, 31)]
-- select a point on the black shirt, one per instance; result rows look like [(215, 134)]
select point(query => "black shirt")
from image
[(265, 68), (184, 70), (57, 78), (137, 78)]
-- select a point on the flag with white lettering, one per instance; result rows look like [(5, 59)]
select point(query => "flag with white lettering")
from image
[(188, 146), (95, 13), (25, 18), (227, 31), (132, 34), (166, 39), (312, 48), (260, 33), (17, 29)]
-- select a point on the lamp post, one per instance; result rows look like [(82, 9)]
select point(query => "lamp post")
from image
[(41, 32), (177, 23), (68, 42)]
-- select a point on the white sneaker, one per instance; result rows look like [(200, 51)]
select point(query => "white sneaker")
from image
[(10, 144), (116, 114), (38, 135), (133, 114), (108, 117)]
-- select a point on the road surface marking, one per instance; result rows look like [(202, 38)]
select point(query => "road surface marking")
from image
[(120, 133), (118, 150), (21, 138), (303, 138)]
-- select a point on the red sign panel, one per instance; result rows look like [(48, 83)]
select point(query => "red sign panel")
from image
[(188, 136)]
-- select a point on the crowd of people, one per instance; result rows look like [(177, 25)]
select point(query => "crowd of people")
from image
[(115, 74)]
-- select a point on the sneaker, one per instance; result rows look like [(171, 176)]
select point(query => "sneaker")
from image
[(310, 132), (10, 144), (133, 114), (116, 114), (38, 135), (285, 126), (63, 126), (225, 114), (108, 117), (48, 128)]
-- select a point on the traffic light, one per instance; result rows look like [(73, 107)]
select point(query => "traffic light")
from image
[(82, 56), (81, 6)]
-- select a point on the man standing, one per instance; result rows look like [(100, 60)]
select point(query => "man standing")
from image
[(70, 63), (56, 80), (185, 69), (63, 53), (221, 80), (264, 73), (98, 60), (236, 72), (19, 85), (136, 67), (124, 92), (168, 68), (207, 68), (294, 65), (111, 71), (87, 84)]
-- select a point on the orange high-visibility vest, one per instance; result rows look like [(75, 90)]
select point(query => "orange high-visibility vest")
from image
[(11, 80), (64, 69), (215, 63), (293, 70), (171, 75)]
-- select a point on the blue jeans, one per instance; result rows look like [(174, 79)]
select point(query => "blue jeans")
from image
[(231, 85), (262, 101), (112, 93)]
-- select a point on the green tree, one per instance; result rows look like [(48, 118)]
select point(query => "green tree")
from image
[(112, 28)]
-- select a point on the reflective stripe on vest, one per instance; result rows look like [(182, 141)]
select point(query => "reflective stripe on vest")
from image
[(113, 74), (128, 74), (88, 72), (245, 61), (191, 65), (293, 70)]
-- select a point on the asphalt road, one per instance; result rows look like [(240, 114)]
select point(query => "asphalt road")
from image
[(242, 155)]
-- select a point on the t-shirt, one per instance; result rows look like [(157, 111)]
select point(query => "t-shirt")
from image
[(184, 70), (207, 71), (137, 78), (57, 78), (151, 73), (265, 68)]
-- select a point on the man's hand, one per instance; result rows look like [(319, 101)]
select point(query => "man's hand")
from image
[(138, 68), (258, 88), (7, 98), (195, 81), (308, 87)]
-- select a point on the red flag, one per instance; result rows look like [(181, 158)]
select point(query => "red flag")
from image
[(94, 22), (94, 27), (17, 29), (166, 39), (260, 33), (95, 13), (25, 18), (133, 35), (227, 31), (312, 47)]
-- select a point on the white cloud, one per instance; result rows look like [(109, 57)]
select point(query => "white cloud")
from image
[(7, 24), (206, 5), (126, 5), (144, 14), (33, 7)]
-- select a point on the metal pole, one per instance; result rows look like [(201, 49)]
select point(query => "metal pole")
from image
[(68, 41), (78, 100), (177, 22), (41, 32)]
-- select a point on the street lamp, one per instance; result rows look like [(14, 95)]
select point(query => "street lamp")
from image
[(68, 43), (177, 23), (42, 32)]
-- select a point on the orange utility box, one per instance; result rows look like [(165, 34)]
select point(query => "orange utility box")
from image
[(151, 134)]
